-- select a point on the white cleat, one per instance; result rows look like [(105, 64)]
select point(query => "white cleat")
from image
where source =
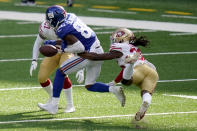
[(40, 105), (69, 109), (141, 113), (119, 93), (51, 108)]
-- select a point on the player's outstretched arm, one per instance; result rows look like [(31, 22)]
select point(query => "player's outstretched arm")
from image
[(104, 56)]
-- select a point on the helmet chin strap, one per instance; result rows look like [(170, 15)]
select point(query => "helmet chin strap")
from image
[(58, 23)]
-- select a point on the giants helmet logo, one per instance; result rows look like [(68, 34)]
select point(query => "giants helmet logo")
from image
[(50, 15)]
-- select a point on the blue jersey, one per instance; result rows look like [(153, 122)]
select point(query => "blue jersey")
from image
[(74, 26)]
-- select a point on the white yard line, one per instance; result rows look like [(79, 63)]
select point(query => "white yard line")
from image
[(19, 88), (181, 80), (177, 34), (15, 36), (180, 16), (40, 6), (170, 53), (28, 88), (14, 60), (96, 117), (103, 28), (145, 54), (182, 96), (28, 22), (105, 32), (115, 22), (34, 35)]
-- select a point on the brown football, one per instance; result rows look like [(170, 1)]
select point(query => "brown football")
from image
[(48, 50)]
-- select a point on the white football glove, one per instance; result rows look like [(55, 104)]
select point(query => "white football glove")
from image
[(130, 59), (112, 83), (80, 76), (33, 66), (58, 48)]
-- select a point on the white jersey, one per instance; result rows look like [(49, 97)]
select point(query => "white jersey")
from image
[(129, 49), (126, 49), (45, 32)]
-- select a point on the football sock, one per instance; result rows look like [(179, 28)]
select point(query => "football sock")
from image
[(68, 96), (68, 91), (147, 97), (58, 83), (99, 87), (67, 83), (47, 86), (55, 100)]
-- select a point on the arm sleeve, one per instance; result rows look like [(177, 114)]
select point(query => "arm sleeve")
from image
[(77, 47), (36, 47), (119, 76)]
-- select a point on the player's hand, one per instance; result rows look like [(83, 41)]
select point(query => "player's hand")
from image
[(33, 66), (130, 59), (112, 83), (58, 48), (50, 42), (80, 76)]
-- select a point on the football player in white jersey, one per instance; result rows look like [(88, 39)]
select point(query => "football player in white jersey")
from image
[(49, 64), (135, 69), (77, 37)]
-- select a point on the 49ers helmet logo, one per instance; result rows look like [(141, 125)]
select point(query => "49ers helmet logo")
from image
[(120, 33)]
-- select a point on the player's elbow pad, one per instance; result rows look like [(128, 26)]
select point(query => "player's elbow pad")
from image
[(77, 47)]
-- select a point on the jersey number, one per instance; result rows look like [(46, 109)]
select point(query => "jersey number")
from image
[(83, 29)]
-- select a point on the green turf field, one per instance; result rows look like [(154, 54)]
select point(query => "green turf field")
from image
[(175, 62)]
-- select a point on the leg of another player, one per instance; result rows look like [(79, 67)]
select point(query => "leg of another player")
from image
[(116, 90), (92, 73), (68, 95), (47, 86), (58, 84)]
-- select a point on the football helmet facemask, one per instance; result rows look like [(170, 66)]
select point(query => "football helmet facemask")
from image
[(122, 35), (55, 15)]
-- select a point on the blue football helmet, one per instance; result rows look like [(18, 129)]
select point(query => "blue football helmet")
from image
[(55, 15)]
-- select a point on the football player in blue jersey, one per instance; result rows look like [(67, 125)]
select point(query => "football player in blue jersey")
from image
[(77, 37)]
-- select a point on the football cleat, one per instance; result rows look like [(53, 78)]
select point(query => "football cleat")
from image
[(69, 109), (51, 108), (141, 113), (119, 93), (40, 105)]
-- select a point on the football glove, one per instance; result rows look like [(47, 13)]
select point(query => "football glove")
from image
[(130, 59), (50, 42), (80, 76), (33, 66)]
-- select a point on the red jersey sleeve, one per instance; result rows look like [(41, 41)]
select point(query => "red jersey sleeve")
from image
[(119, 76)]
